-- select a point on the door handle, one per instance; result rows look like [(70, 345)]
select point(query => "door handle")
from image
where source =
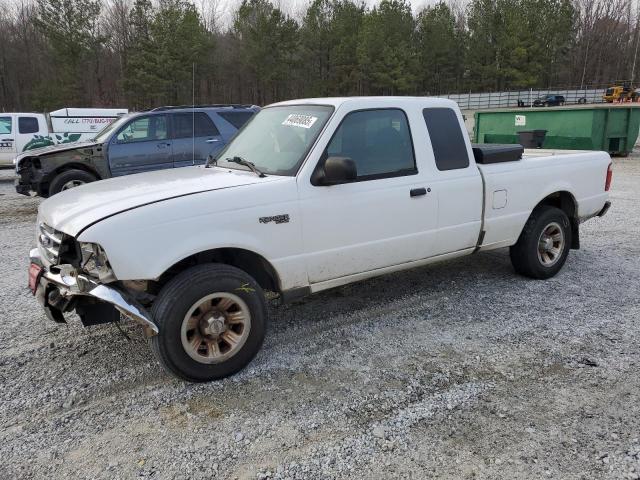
[(213, 140), (416, 192), (6, 139), (164, 145)]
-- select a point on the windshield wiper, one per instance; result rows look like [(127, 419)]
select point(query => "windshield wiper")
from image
[(246, 163)]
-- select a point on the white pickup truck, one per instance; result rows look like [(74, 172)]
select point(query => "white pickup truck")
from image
[(310, 195), (20, 132)]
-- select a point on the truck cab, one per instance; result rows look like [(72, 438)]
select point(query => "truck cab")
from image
[(16, 131)]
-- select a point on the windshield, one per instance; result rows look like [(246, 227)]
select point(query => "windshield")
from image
[(103, 135), (277, 139)]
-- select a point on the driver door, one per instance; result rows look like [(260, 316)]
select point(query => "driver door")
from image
[(387, 216), (141, 145)]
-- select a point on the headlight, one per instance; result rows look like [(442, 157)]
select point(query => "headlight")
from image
[(95, 262)]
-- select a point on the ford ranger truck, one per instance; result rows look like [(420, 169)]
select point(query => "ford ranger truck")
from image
[(310, 195)]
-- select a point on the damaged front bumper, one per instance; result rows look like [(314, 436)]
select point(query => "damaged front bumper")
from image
[(55, 289), (24, 181)]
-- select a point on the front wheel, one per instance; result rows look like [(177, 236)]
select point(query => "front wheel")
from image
[(544, 243), (70, 179), (212, 320)]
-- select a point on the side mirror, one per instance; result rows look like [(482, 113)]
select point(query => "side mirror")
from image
[(338, 170)]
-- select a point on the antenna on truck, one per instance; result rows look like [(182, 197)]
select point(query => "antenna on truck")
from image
[(193, 113)]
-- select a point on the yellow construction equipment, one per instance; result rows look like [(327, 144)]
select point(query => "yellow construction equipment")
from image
[(620, 93)]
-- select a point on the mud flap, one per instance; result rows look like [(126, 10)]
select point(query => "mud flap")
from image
[(575, 234), (54, 314)]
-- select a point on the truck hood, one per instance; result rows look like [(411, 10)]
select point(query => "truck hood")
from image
[(60, 147), (71, 211)]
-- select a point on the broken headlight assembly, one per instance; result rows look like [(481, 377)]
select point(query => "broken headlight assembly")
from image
[(95, 262)]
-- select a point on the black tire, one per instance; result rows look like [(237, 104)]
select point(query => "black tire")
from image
[(525, 255), (176, 299), (59, 181)]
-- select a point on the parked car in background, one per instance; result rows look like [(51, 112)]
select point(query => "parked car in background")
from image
[(20, 132), (549, 101), (165, 137)]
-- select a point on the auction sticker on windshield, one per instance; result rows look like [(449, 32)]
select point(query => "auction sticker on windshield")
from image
[(298, 120)]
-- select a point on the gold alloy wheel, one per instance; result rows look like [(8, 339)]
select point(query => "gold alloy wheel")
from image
[(550, 244), (215, 328)]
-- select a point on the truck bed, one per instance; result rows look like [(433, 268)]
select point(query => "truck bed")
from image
[(513, 189)]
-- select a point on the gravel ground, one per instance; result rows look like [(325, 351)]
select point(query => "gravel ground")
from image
[(458, 370)]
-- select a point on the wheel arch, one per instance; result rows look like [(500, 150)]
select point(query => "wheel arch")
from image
[(45, 184), (74, 166), (248, 261), (565, 201)]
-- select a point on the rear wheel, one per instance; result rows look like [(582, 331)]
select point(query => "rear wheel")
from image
[(544, 243), (70, 179), (212, 319)]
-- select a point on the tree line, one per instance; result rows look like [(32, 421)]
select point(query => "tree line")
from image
[(140, 54)]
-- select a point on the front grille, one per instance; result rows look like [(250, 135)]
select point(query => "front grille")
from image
[(49, 241)]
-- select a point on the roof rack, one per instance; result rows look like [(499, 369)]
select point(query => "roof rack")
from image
[(214, 105)]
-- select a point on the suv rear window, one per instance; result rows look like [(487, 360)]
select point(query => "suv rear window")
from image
[(447, 141), (237, 119), (184, 124)]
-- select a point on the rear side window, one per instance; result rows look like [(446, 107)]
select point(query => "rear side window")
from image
[(447, 141), (184, 125), (378, 141), (5, 125), (28, 125), (237, 119)]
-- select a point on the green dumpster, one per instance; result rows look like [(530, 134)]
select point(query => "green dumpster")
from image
[(612, 128)]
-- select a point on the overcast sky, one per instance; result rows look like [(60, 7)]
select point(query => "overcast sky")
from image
[(295, 7)]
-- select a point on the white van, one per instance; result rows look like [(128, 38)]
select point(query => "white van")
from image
[(25, 131)]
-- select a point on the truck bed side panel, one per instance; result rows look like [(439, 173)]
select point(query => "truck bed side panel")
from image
[(514, 189)]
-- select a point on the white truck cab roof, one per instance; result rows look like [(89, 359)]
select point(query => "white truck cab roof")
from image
[(373, 101)]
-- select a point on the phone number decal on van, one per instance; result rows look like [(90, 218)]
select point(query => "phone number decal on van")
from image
[(297, 120)]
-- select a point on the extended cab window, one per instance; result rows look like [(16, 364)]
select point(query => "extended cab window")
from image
[(28, 125), (185, 123), (378, 141), (448, 144), (144, 129), (5, 125)]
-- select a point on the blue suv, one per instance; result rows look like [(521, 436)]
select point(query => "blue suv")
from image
[(165, 137)]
